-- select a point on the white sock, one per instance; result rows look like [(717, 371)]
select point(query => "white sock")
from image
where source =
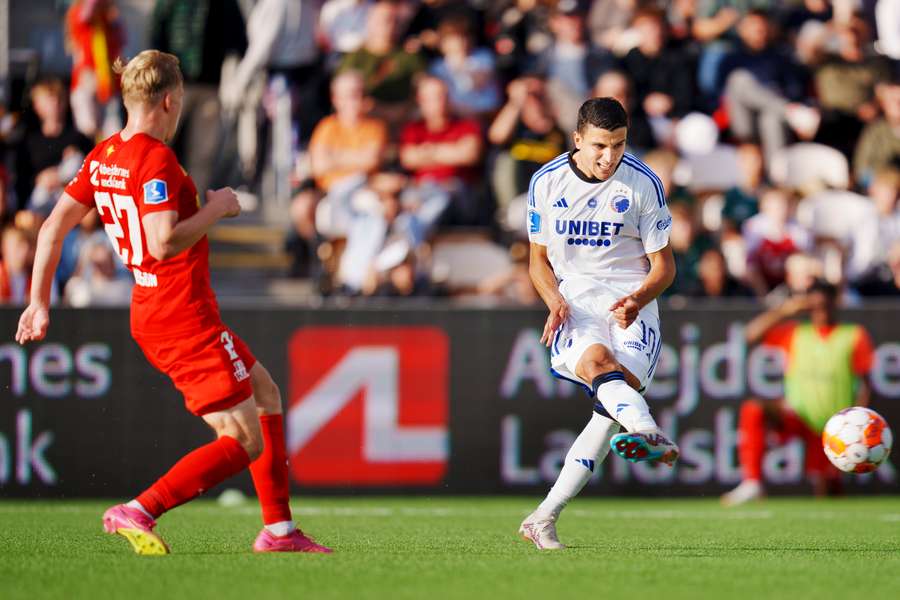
[(281, 528), (139, 506), (625, 404), (584, 457)]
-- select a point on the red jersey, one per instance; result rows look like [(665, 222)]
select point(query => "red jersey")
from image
[(417, 133), (126, 181)]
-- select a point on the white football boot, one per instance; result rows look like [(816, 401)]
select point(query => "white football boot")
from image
[(541, 531), (747, 491)]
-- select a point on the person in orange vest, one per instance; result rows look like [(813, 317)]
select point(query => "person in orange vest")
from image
[(826, 366)]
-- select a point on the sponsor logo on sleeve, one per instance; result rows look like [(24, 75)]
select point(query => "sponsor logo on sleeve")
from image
[(534, 221), (155, 192), (664, 224)]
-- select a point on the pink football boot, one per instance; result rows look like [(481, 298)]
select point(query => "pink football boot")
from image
[(136, 527), (295, 541)]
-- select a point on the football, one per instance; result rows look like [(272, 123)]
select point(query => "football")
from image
[(857, 440)]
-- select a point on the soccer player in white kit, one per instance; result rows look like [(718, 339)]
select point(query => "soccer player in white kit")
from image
[(599, 231)]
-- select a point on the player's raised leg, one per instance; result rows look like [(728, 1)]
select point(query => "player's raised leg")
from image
[(239, 441), (615, 388), (270, 474), (584, 457)]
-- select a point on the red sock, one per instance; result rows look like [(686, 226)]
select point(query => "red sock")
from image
[(270, 472), (751, 439), (202, 469)]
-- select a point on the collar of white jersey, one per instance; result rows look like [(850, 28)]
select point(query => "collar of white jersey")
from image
[(581, 175)]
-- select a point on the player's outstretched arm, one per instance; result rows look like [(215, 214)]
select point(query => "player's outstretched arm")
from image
[(661, 275), (168, 237), (544, 280), (36, 318)]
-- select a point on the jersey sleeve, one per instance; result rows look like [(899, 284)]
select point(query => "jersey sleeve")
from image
[(781, 336), (159, 182), (863, 353), (536, 216), (81, 188), (655, 219)]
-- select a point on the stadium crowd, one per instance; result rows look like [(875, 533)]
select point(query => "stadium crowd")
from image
[(407, 131)]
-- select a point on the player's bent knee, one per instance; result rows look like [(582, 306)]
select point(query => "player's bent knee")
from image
[(265, 391), (588, 369)]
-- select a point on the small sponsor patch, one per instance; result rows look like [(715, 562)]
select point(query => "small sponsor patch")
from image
[(664, 224), (620, 204), (155, 192), (635, 345), (534, 221), (592, 203)]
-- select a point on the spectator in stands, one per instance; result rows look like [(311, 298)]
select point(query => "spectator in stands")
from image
[(97, 282), (400, 276), (763, 89), (378, 228), (571, 64), (879, 144), (616, 84), (688, 243), (715, 280), (801, 270), (95, 36), (423, 32), (345, 148), (442, 152), (522, 33), (771, 237), (884, 231), (845, 87), (89, 230), (281, 36), (526, 131), (468, 71), (716, 27), (662, 74), (742, 201), (16, 257), (201, 33), (51, 150), (388, 70), (342, 25), (609, 22), (348, 143)]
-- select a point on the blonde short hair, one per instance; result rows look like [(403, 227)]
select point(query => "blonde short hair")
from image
[(148, 76)]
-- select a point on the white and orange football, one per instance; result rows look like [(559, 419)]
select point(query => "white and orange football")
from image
[(857, 440)]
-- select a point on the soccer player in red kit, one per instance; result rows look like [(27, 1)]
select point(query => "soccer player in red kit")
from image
[(153, 215)]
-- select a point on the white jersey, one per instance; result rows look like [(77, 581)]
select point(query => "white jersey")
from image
[(598, 233)]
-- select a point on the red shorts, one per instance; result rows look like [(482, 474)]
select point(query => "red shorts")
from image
[(211, 368), (792, 426)]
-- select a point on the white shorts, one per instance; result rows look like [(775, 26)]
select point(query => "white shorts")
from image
[(590, 322)]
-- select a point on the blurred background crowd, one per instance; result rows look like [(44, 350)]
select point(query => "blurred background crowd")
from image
[(383, 148)]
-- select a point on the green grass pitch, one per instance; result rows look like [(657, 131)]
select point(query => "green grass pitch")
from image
[(467, 548)]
